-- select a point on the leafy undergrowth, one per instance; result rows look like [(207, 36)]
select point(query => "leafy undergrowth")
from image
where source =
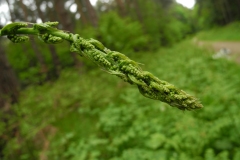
[(93, 115), (227, 33)]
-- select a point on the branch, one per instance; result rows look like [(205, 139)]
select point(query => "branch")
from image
[(113, 62)]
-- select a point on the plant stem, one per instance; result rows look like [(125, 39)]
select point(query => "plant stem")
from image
[(113, 62)]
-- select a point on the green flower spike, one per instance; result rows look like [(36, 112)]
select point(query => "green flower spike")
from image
[(113, 62), (11, 29), (50, 39), (18, 39)]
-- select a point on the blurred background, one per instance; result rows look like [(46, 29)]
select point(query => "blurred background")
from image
[(58, 105)]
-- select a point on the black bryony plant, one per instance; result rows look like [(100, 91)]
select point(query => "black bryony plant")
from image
[(113, 62)]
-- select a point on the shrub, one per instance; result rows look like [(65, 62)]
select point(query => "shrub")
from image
[(121, 34)]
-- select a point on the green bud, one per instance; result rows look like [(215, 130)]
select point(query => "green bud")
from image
[(44, 27), (97, 44), (52, 24), (18, 39), (48, 38), (11, 28)]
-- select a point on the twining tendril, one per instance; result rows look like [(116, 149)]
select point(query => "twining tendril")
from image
[(111, 61)]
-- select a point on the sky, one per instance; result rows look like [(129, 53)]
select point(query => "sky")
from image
[(186, 3)]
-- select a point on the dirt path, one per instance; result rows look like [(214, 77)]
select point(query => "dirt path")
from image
[(217, 46)]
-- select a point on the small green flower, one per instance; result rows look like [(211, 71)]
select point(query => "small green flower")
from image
[(18, 39)]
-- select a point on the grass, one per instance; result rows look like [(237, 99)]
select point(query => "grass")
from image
[(98, 116), (227, 33)]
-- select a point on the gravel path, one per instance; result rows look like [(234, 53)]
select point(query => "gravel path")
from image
[(233, 48)]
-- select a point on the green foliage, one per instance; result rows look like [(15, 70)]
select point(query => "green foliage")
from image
[(228, 33), (153, 21), (216, 12), (98, 117), (121, 34), (165, 25), (23, 60), (25, 63), (90, 115), (34, 117), (182, 23)]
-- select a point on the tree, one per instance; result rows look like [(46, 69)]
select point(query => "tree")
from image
[(9, 87), (92, 15), (9, 94), (121, 7), (218, 12), (15, 16), (57, 66)]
